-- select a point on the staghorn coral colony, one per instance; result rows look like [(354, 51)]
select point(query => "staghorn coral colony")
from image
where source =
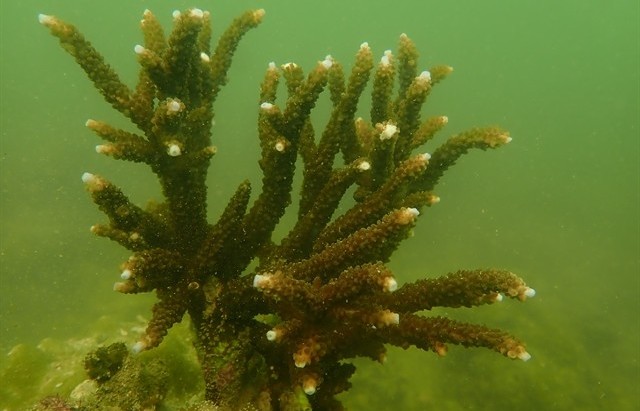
[(276, 323)]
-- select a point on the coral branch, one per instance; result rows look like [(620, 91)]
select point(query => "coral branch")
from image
[(433, 333), (460, 289), (100, 73)]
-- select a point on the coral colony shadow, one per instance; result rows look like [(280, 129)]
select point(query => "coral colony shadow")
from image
[(280, 336)]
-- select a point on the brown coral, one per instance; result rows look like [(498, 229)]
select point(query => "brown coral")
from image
[(278, 337)]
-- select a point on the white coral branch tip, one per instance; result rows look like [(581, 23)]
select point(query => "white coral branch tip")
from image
[(425, 157), (524, 356), (266, 106), (259, 14), (364, 166), (47, 20), (261, 280), (93, 182), (104, 149), (413, 212), (139, 347), (327, 62), (279, 146), (390, 284), (407, 215), (425, 76), (89, 178), (174, 106), (388, 131), (272, 335), (504, 139), (174, 150), (197, 13), (385, 61), (309, 387), (300, 363)]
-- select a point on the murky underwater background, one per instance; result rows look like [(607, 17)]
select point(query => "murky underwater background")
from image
[(559, 205)]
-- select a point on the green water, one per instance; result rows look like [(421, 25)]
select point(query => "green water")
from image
[(560, 205)]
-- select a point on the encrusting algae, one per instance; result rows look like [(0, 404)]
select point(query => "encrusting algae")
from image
[(279, 336)]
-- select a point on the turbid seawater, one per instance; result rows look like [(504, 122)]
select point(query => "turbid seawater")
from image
[(559, 205)]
